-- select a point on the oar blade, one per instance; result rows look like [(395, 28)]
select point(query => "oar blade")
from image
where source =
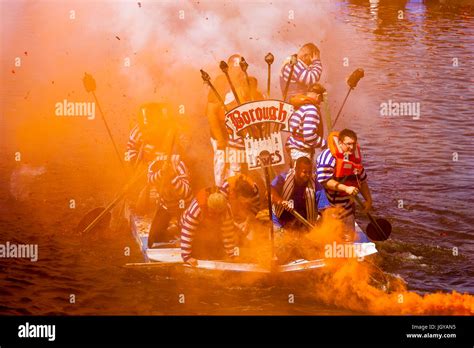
[(103, 224), (378, 235)]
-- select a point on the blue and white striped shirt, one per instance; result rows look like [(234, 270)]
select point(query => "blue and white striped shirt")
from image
[(303, 77), (190, 222), (304, 125)]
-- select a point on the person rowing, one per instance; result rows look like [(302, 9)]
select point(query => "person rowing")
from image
[(340, 171), (207, 228), (148, 133), (171, 179), (244, 198), (295, 190)]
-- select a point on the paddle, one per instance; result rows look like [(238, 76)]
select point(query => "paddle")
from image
[(92, 219), (378, 229), (89, 85), (293, 61), (269, 58), (352, 82), (301, 219)]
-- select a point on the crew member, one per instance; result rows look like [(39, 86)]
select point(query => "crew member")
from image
[(306, 126), (221, 142), (148, 133), (295, 190), (307, 71), (207, 228), (171, 180), (244, 198), (340, 171)]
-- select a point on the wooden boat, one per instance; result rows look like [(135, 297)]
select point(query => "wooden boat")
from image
[(167, 256)]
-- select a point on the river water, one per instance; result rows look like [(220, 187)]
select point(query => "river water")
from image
[(420, 166)]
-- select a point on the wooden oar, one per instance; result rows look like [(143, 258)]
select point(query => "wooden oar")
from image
[(352, 82), (269, 58), (301, 219), (90, 85), (378, 229), (293, 61), (95, 216)]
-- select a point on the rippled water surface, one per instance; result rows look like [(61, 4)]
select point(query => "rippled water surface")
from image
[(420, 172)]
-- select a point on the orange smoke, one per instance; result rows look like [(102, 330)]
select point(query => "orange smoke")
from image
[(351, 284)]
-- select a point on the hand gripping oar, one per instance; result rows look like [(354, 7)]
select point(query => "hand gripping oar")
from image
[(378, 229), (293, 61), (89, 84), (352, 82), (269, 58), (301, 219), (225, 69), (207, 80)]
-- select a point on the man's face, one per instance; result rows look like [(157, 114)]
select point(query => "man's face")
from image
[(348, 145), (303, 174), (306, 55)]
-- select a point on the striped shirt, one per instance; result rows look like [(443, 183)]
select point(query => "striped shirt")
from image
[(326, 163), (255, 202), (306, 129), (190, 222), (303, 77), (134, 144), (180, 183)]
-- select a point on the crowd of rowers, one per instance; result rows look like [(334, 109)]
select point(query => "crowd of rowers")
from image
[(211, 223)]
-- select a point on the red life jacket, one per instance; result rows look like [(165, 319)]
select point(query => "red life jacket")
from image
[(348, 166)]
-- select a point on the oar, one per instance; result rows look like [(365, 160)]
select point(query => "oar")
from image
[(352, 82), (244, 66), (89, 84), (94, 217), (378, 229), (293, 61), (301, 219), (225, 69), (265, 163), (269, 58), (207, 80)]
